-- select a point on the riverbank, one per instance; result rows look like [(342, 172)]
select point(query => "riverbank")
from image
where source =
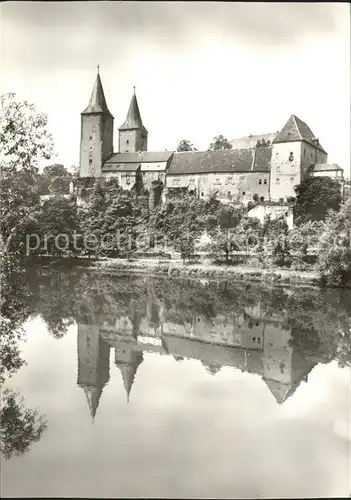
[(176, 269)]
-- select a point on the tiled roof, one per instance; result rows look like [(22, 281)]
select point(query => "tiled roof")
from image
[(97, 103), (325, 167), (120, 167), (223, 160), (250, 141), (297, 130), (262, 161), (133, 120), (140, 157)]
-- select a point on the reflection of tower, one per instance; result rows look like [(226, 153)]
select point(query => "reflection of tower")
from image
[(127, 359), (284, 369), (154, 311), (93, 364)]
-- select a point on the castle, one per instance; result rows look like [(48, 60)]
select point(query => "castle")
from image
[(268, 166)]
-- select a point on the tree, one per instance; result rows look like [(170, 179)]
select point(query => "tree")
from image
[(20, 426), (276, 246), (224, 242), (219, 142), (334, 258), (185, 145), (55, 179), (24, 141), (314, 197), (187, 247)]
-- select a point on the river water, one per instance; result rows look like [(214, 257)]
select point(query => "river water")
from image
[(157, 388)]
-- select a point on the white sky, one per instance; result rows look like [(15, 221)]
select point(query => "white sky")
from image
[(200, 69)]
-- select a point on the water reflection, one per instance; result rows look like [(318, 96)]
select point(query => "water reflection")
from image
[(247, 340), (183, 413)]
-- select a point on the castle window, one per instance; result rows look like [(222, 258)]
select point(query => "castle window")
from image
[(229, 179), (265, 181), (260, 181), (291, 156), (127, 141), (202, 194), (277, 156), (229, 194), (218, 180), (175, 182), (128, 179), (262, 198), (292, 180), (277, 180), (278, 169), (243, 193)]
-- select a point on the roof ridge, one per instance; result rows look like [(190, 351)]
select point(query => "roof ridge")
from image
[(297, 126)]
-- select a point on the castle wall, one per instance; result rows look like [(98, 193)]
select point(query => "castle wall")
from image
[(96, 143), (228, 185), (285, 170), (132, 141), (310, 155)]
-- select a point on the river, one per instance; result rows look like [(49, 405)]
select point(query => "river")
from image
[(150, 387)]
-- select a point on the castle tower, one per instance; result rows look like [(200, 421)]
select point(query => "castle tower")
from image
[(295, 150), (132, 134), (284, 369), (93, 364), (96, 141), (128, 359)]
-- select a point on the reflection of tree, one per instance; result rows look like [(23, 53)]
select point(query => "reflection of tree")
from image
[(318, 319), (20, 426)]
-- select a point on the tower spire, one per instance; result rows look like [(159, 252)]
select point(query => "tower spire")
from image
[(97, 103), (133, 120)]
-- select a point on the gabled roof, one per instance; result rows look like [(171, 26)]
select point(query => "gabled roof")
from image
[(133, 120), (120, 167), (325, 167), (297, 130), (97, 103), (140, 157), (223, 160)]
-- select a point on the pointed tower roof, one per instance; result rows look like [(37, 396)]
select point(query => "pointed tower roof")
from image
[(297, 130), (133, 120), (93, 395), (97, 103), (128, 372), (280, 391)]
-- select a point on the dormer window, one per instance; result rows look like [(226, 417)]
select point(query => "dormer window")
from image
[(291, 156)]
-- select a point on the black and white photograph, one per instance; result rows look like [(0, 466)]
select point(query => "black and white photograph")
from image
[(175, 249)]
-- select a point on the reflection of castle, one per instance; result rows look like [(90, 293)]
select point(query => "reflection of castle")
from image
[(248, 341)]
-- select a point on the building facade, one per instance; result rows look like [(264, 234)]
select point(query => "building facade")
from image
[(265, 167)]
